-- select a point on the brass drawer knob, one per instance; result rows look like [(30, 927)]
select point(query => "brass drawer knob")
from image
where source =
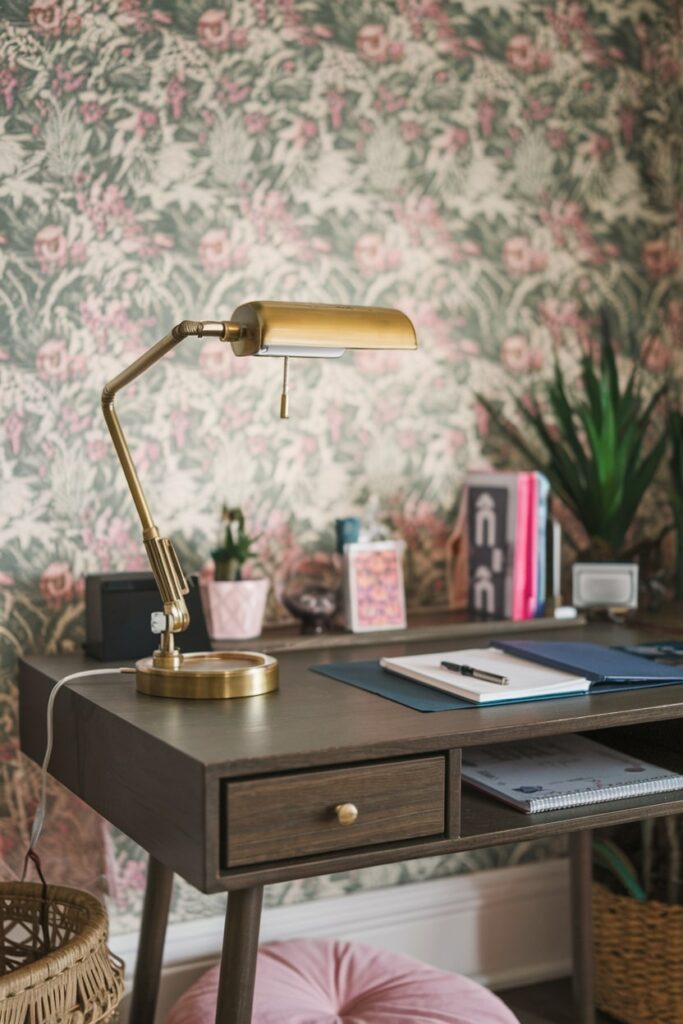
[(346, 813)]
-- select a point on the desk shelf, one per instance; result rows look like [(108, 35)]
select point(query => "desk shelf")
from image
[(488, 822), (423, 624)]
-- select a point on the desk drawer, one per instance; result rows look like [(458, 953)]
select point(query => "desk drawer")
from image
[(283, 816)]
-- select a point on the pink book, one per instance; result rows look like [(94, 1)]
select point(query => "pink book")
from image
[(520, 574), (532, 549)]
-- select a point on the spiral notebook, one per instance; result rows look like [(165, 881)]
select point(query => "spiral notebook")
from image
[(557, 772)]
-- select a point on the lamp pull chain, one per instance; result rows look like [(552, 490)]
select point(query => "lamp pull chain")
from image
[(284, 398)]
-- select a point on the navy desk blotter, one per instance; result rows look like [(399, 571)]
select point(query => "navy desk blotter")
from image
[(370, 676)]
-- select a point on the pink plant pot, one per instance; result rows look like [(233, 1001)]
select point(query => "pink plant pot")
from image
[(234, 609)]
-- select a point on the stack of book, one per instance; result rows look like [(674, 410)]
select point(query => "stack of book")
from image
[(507, 517)]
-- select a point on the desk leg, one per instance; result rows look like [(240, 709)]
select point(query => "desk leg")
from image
[(238, 961), (581, 869), (151, 948)]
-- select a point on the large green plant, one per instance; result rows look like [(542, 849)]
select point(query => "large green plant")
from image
[(591, 444)]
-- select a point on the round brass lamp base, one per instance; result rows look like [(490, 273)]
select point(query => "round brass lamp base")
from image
[(212, 675)]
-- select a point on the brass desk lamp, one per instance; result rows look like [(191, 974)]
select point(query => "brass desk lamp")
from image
[(256, 329)]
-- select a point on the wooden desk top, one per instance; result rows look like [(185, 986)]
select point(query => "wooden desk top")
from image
[(155, 767), (314, 720)]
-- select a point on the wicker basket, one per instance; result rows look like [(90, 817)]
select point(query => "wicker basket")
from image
[(78, 981), (639, 958)]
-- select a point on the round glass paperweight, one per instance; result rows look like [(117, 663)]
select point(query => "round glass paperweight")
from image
[(312, 592)]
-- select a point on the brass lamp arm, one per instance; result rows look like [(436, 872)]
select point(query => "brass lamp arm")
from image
[(164, 562)]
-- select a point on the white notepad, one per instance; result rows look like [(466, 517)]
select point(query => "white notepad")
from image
[(526, 680), (556, 772)]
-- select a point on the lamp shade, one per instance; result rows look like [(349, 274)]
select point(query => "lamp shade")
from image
[(309, 329)]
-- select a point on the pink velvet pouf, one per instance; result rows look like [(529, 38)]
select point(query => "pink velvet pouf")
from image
[(324, 982)]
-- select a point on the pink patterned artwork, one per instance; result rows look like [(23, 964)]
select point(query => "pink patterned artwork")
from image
[(375, 595)]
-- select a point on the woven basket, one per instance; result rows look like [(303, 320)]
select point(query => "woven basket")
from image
[(78, 981), (639, 958)]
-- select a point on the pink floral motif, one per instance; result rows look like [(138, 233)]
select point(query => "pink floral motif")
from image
[(556, 138), (179, 421), (411, 130), (96, 448), (91, 112), (8, 83), (104, 206), (14, 429), (448, 40), (674, 318), (300, 132), (72, 23), (514, 354), (213, 29), (373, 43), (46, 17), (215, 361), (521, 258), (66, 81), (73, 422), (231, 91), (112, 320), (659, 259), (522, 54), (279, 548), (255, 121), (269, 215), (453, 140), (373, 256), (175, 94), (52, 360), (141, 122), (571, 21), (336, 104), (215, 250), (566, 220), (425, 225), (111, 536), (57, 585), (656, 356), (627, 118), (78, 252), (558, 316), (486, 113), (50, 248)]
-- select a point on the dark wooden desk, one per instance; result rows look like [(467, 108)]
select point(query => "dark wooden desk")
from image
[(238, 793)]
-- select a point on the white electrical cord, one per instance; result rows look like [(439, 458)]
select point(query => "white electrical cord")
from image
[(39, 819)]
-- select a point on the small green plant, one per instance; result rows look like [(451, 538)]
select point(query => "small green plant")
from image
[(236, 548), (591, 445)]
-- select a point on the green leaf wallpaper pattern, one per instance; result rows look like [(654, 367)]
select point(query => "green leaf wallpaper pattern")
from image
[(499, 170)]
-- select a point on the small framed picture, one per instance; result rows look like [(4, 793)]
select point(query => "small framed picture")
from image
[(374, 590)]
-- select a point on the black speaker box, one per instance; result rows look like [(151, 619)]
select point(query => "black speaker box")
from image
[(118, 609)]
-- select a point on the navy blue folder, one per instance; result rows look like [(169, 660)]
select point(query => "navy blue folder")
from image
[(371, 677), (592, 661)]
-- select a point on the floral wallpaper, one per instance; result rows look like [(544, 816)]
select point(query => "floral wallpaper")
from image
[(500, 170)]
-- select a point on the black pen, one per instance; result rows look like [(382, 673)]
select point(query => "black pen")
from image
[(475, 673)]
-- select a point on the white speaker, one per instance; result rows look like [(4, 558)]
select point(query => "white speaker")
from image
[(605, 584)]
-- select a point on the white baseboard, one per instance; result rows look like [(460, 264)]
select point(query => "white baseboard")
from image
[(503, 927)]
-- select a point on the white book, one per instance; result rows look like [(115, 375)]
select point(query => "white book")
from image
[(526, 680), (557, 772)]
